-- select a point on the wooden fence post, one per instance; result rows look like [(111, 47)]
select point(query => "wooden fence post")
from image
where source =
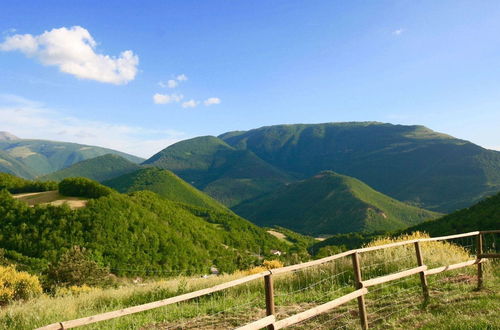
[(268, 284), (479, 265), (359, 285), (423, 278)]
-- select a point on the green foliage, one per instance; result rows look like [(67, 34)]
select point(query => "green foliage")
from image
[(83, 187), (32, 158), (227, 174), (77, 268), (140, 234), (99, 168), (165, 184), (484, 215), (16, 285), (409, 163), (16, 185), (329, 203)]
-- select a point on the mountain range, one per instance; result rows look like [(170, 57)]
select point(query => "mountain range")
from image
[(33, 158), (409, 163), (329, 203)]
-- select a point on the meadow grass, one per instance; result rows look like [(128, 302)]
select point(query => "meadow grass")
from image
[(397, 304)]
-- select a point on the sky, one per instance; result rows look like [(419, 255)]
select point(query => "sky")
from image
[(137, 76)]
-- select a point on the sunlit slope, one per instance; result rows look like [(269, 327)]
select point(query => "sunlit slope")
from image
[(329, 203), (99, 168), (33, 158), (225, 173), (165, 184), (409, 163)]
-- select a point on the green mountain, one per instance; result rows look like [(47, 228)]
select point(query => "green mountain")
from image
[(409, 163), (34, 158), (224, 172), (484, 215), (136, 234), (329, 203), (99, 168), (165, 184)]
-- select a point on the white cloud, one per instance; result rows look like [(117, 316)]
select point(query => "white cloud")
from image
[(211, 101), (182, 77), (29, 119), (190, 104), (172, 83), (166, 98), (73, 51), (398, 32)]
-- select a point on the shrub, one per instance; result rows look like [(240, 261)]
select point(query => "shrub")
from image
[(16, 285), (271, 264), (76, 268), (74, 290), (83, 187)]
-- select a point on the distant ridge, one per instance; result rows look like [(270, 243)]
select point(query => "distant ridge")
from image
[(6, 136), (99, 168), (33, 158), (330, 203)]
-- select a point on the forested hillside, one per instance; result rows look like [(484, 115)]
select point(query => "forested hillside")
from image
[(165, 184), (409, 163), (484, 215), (99, 168), (225, 173), (32, 158), (135, 234), (329, 203)]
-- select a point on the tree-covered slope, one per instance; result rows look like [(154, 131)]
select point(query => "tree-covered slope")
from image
[(484, 215), (135, 234), (33, 158), (329, 203), (409, 163), (165, 184), (225, 173), (99, 168)]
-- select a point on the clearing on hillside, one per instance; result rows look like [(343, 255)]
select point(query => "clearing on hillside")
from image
[(52, 197)]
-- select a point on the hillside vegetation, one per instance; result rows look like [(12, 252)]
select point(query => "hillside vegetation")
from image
[(453, 302), (98, 168), (225, 173), (484, 215), (409, 163), (329, 203), (135, 234), (165, 184), (17, 185), (33, 158)]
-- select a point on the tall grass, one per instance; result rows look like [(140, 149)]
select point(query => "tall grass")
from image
[(294, 292)]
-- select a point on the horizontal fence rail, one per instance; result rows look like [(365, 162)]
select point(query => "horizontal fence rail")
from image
[(271, 322)]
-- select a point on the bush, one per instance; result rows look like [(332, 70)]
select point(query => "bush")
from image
[(76, 268), (83, 187), (74, 290), (16, 285)]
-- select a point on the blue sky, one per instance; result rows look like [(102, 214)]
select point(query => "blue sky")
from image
[(88, 71)]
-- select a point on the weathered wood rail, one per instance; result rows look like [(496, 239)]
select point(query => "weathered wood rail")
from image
[(271, 322)]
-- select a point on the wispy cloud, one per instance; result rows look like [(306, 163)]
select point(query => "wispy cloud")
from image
[(73, 51), (172, 83), (212, 101), (190, 104), (398, 32), (30, 119), (166, 98)]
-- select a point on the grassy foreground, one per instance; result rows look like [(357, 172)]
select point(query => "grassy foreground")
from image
[(454, 303)]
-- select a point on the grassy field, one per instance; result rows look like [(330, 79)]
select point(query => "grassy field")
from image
[(51, 197), (454, 303)]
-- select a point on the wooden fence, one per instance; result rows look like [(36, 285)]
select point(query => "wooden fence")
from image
[(361, 286)]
